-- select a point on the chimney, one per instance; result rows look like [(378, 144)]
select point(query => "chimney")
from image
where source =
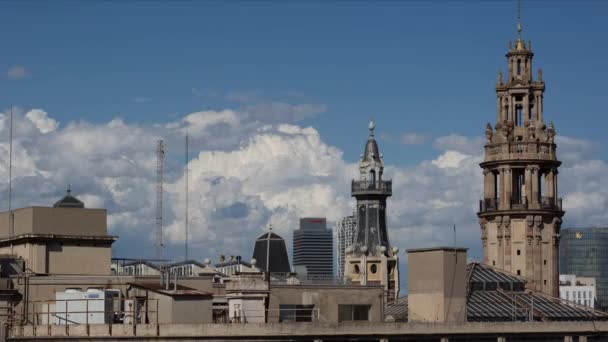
[(437, 284)]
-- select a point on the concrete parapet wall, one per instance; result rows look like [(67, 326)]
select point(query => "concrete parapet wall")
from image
[(308, 330)]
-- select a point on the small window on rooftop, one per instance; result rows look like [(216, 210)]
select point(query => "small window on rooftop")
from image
[(493, 262), (518, 252), (518, 272), (545, 282), (545, 261)]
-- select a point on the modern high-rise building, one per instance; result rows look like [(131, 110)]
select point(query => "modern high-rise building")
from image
[(582, 252), (371, 260), (520, 213), (344, 235), (313, 248)]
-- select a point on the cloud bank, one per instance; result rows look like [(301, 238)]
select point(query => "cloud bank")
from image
[(255, 166)]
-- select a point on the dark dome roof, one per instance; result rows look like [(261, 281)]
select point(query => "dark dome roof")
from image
[(270, 253), (69, 201)]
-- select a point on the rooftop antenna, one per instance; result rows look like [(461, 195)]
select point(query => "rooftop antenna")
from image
[(10, 177), (160, 155), (186, 213)]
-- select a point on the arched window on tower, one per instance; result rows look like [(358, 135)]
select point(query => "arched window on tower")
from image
[(372, 178), (518, 67)]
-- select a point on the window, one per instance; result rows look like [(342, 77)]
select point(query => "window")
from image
[(357, 269), (567, 295), (545, 282), (519, 67), (353, 312), (295, 313), (518, 272), (545, 261), (518, 252), (585, 295), (493, 262), (373, 269), (518, 115)]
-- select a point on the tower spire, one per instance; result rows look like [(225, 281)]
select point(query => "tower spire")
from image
[(518, 19)]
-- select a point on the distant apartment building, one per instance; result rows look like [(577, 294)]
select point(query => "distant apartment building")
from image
[(579, 290), (344, 235), (313, 248), (583, 253), (232, 266)]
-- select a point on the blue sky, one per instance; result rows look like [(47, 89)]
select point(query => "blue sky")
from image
[(425, 67), (224, 70)]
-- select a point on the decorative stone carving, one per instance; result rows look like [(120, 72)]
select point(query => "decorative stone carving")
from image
[(551, 132), (538, 220), (489, 133), (530, 220), (539, 75), (499, 78)]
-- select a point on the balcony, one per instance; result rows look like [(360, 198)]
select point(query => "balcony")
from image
[(520, 150), (366, 187), (519, 203), (551, 203)]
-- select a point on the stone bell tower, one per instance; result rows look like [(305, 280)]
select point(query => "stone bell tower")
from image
[(520, 213), (371, 260)]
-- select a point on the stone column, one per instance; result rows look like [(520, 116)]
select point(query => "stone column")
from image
[(508, 186), (528, 183), (526, 105), (540, 107), (486, 183), (503, 196), (499, 103), (549, 183), (535, 186)]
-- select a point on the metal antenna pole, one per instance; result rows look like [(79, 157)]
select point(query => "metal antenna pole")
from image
[(186, 213), (10, 177), (160, 154)]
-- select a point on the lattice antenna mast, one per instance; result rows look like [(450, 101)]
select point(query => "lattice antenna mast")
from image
[(186, 213), (160, 156)]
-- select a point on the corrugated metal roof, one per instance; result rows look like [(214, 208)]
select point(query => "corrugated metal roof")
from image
[(493, 303)]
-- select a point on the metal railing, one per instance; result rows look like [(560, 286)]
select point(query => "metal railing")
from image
[(367, 186), (489, 204), (551, 203), (274, 315), (520, 202), (86, 311)]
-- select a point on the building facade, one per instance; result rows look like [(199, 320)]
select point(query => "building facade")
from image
[(344, 234), (371, 260), (583, 253), (313, 248), (520, 212), (579, 290)]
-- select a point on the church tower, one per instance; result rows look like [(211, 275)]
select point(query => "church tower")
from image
[(520, 213), (371, 260)]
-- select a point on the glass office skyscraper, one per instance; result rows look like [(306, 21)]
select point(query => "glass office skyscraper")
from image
[(584, 253), (313, 248)]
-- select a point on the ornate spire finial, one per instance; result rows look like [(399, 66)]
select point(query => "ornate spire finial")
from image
[(270, 227), (69, 189), (371, 127), (519, 19), (520, 43)]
